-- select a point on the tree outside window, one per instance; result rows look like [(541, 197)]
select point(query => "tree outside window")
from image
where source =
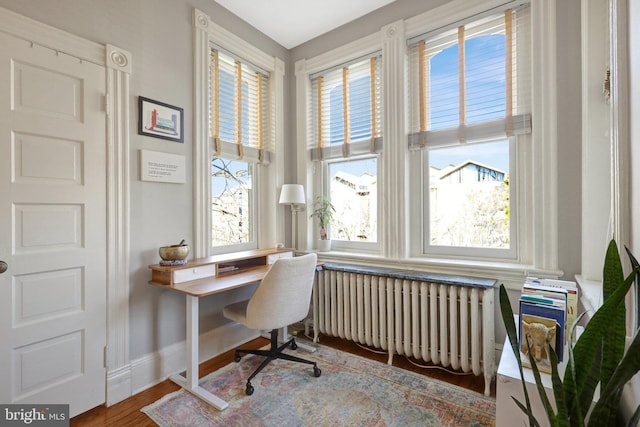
[(230, 202)]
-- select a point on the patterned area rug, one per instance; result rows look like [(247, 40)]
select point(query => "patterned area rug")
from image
[(352, 391)]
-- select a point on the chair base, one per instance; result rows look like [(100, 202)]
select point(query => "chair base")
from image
[(274, 352)]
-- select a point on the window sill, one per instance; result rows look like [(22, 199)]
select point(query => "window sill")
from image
[(489, 269), (590, 294)]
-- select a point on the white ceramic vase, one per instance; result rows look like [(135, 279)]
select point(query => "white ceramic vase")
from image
[(324, 245)]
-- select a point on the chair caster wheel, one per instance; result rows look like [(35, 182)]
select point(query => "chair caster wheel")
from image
[(237, 358), (249, 390), (294, 346), (316, 371)]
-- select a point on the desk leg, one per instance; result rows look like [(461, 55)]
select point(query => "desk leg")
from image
[(191, 382)]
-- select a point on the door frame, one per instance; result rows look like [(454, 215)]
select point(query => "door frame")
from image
[(117, 64)]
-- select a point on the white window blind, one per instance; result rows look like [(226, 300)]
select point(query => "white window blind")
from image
[(346, 104), (460, 97), (241, 113)]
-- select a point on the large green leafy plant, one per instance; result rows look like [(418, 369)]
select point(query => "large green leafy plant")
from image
[(598, 357)]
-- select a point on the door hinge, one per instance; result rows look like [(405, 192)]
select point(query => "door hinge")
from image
[(104, 356), (107, 104)]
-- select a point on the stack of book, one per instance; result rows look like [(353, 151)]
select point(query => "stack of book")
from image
[(548, 308)]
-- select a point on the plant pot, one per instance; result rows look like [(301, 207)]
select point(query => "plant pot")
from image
[(324, 245)]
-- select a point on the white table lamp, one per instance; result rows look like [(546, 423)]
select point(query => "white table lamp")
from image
[(293, 195)]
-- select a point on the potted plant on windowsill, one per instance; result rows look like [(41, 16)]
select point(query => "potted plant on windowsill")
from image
[(597, 358), (323, 211)]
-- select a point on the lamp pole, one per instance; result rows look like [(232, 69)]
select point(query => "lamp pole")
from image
[(293, 195)]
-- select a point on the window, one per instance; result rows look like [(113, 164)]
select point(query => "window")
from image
[(467, 179), (239, 117), (238, 131), (469, 202), (346, 124), (469, 109), (353, 190), (231, 202)]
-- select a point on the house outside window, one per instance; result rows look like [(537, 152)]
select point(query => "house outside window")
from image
[(353, 190)]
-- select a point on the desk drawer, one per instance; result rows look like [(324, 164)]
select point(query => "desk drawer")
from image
[(186, 274)]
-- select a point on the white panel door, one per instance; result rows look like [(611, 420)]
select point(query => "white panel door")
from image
[(52, 227)]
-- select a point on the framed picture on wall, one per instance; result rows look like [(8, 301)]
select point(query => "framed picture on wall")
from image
[(160, 120)]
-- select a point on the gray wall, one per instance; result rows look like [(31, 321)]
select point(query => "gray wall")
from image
[(569, 138), (158, 33)]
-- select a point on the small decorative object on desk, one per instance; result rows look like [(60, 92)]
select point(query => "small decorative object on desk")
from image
[(175, 254), (172, 263)]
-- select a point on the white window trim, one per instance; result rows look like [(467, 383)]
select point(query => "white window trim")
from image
[(267, 230), (537, 225)]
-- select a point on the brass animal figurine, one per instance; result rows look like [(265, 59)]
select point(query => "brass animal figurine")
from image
[(539, 337)]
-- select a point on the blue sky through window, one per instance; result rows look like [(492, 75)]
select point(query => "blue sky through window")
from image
[(492, 154), (443, 90), (485, 78), (485, 98)]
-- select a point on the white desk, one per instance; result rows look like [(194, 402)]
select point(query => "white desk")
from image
[(253, 267)]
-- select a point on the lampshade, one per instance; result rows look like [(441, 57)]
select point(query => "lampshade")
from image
[(292, 194)]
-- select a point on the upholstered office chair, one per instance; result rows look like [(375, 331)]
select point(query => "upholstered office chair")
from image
[(282, 298)]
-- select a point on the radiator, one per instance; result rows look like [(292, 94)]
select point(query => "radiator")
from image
[(445, 320)]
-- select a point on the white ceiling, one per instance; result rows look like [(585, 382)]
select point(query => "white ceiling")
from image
[(293, 22)]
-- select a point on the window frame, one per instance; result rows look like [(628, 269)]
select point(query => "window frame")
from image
[(401, 212), (537, 247), (266, 177), (314, 174), (515, 206), (478, 23)]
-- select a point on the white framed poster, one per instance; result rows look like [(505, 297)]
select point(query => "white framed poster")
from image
[(157, 166)]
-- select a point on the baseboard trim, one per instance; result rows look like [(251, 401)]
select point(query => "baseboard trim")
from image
[(153, 368), (118, 385)]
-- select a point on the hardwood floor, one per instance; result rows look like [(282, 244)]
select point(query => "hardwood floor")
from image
[(127, 413)]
